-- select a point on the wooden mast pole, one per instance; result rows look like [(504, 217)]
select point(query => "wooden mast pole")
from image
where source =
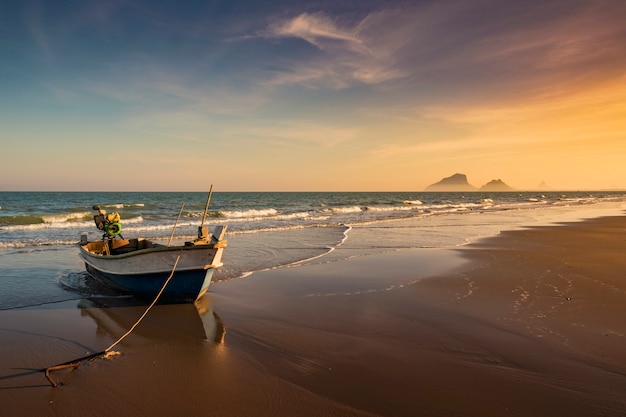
[(206, 209), (176, 224), (203, 232)]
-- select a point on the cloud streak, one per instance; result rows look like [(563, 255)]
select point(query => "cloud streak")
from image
[(317, 29), (345, 55), (452, 45)]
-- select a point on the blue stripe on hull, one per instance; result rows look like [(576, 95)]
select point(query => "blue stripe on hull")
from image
[(184, 285)]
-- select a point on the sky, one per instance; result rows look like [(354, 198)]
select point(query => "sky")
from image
[(311, 95)]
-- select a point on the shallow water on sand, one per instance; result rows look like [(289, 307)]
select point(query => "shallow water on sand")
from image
[(36, 274)]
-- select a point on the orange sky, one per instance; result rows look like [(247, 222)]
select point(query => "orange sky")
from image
[(313, 96)]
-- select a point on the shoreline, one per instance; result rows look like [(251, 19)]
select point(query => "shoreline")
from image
[(523, 345), (526, 323)]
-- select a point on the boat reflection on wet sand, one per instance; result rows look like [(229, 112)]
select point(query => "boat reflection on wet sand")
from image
[(114, 316)]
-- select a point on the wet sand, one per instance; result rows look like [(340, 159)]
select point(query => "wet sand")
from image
[(528, 323)]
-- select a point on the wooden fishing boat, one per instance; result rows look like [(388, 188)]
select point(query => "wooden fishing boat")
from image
[(141, 266)]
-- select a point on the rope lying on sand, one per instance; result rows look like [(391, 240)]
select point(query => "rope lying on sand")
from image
[(108, 352)]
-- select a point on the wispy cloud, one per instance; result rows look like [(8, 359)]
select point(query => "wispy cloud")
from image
[(346, 55), (316, 29), (467, 45)]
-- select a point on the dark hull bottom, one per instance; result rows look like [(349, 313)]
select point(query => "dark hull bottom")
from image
[(185, 286)]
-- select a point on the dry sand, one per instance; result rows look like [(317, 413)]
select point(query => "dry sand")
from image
[(528, 323)]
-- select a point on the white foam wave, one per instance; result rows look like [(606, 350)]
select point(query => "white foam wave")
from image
[(24, 244), (120, 206), (259, 215), (393, 208), (249, 213), (451, 207), (65, 221), (343, 210), (581, 200), (293, 216), (44, 226), (283, 229), (318, 218), (154, 227), (413, 202), (131, 220)]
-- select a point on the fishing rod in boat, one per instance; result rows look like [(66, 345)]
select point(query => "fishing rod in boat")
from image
[(176, 224), (203, 232)]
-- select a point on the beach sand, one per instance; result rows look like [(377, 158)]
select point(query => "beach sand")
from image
[(527, 323)]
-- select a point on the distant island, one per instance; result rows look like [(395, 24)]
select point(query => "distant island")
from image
[(458, 182), (496, 185), (543, 187)]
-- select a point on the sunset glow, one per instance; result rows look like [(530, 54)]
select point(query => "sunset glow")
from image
[(312, 96)]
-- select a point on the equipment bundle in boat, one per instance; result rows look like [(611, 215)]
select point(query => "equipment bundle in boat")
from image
[(108, 223)]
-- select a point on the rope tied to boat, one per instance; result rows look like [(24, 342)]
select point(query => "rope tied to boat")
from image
[(108, 352)]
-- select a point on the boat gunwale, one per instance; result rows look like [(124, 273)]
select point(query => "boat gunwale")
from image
[(149, 250)]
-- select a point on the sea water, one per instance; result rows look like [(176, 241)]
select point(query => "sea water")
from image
[(39, 260)]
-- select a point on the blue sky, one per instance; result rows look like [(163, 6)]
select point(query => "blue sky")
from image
[(311, 95)]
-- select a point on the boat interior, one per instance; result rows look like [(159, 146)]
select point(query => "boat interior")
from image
[(119, 246)]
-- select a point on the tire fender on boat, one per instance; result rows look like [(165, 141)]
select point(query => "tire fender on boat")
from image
[(113, 229)]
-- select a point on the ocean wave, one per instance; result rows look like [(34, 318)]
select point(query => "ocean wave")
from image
[(255, 215), (582, 200), (43, 220), (23, 225), (343, 210), (121, 206), (383, 209), (56, 221), (413, 202), (26, 219), (243, 214), (321, 218), (66, 217), (451, 207), (274, 218), (155, 227), (37, 243)]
